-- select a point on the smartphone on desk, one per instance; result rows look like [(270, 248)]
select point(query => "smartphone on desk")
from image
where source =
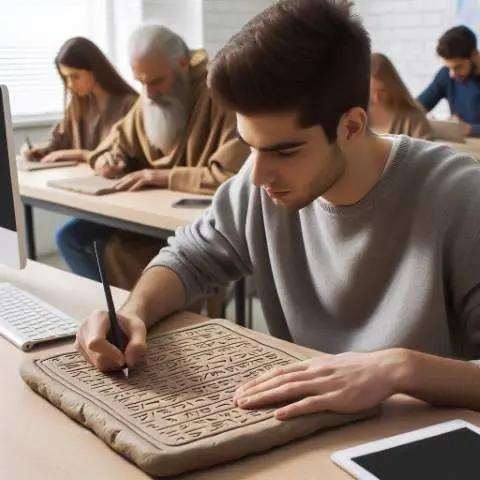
[(192, 203)]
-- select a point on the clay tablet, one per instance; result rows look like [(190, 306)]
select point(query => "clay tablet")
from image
[(176, 413), (89, 185)]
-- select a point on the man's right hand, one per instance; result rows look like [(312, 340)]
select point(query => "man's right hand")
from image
[(34, 154), (92, 341), (108, 166)]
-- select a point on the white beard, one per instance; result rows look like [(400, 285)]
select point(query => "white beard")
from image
[(165, 120)]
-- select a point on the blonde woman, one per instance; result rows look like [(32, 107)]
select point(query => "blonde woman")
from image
[(392, 108)]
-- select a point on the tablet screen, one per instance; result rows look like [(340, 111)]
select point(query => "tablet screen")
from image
[(452, 455)]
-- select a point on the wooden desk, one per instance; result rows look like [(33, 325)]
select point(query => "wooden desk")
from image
[(470, 147), (38, 441), (148, 212)]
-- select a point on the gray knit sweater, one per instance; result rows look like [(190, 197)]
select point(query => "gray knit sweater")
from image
[(399, 268)]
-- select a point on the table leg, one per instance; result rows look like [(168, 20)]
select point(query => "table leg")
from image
[(30, 231), (240, 302)]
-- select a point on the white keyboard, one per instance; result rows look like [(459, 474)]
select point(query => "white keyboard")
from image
[(25, 320)]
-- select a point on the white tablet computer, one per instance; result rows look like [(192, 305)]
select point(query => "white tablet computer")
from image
[(446, 451)]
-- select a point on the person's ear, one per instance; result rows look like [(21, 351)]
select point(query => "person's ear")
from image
[(353, 124)]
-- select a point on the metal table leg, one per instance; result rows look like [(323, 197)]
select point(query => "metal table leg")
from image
[(30, 231), (240, 302)]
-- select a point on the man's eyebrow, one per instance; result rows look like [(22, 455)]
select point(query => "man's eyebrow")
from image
[(154, 80), (277, 147)]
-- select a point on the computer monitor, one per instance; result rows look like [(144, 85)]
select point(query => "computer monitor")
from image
[(12, 230)]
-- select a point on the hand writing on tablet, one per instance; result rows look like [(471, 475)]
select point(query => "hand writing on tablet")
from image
[(92, 341), (344, 383), (33, 154), (108, 166)]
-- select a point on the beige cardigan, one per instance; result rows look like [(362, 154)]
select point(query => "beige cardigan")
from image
[(86, 129)]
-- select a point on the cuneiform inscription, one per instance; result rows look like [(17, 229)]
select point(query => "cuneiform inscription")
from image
[(184, 391)]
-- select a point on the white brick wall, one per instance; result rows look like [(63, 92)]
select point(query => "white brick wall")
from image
[(407, 31), (208, 23), (223, 18), (182, 16)]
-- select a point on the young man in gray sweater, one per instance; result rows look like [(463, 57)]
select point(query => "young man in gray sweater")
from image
[(362, 246)]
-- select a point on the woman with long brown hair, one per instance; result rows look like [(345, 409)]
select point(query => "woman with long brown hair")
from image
[(96, 98), (392, 108)]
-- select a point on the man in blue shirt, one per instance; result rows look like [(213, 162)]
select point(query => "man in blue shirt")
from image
[(459, 80)]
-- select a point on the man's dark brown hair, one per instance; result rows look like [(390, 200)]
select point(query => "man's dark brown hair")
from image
[(458, 42), (308, 56)]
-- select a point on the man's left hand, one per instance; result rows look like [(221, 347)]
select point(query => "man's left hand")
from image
[(345, 383), (148, 177), (464, 127)]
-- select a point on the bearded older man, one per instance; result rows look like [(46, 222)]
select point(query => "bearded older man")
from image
[(174, 137)]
